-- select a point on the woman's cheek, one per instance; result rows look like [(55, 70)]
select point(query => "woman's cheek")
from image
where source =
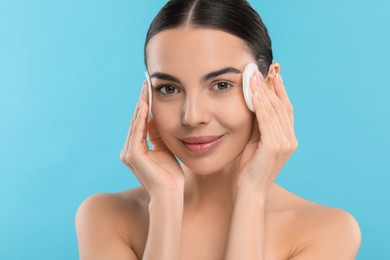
[(238, 119), (166, 118), (234, 113), (165, 113)]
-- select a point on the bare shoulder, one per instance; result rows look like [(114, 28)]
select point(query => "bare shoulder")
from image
[(321, 232), (106, 221)]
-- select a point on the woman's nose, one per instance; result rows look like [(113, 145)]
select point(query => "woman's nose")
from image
[(196, 111)]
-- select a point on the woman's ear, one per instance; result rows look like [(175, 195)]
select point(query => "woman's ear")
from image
[(274, 68)]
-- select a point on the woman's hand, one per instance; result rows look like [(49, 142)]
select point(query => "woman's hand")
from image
[(157, 170), (273, 138)]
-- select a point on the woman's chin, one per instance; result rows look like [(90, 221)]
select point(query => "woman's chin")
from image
[(202, 169)]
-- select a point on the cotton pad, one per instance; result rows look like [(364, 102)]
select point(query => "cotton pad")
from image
[(149, 93), (249, 70)]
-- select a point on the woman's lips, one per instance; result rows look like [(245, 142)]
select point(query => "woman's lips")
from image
[(201, 144)]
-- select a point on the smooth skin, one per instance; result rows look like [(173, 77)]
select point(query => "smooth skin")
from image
[(223, 204)]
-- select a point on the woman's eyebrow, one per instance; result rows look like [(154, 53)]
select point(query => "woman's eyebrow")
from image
[(219, 72), (206, 77)]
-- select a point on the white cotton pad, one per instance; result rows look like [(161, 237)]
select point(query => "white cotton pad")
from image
[(249, 70), (149, 93)]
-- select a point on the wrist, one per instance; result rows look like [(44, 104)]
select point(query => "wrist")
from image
[(251, 195), (167, 198)]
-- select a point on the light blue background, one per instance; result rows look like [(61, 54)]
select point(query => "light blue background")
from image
[(70, 74)]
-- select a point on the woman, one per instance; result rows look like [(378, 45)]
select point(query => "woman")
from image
[(220, 201)]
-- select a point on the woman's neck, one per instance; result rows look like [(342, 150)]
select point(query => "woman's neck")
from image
[(215, 190)]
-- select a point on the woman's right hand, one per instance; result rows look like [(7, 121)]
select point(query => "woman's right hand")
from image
[(157, 170)]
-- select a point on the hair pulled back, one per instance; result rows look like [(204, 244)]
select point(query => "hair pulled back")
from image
[(233, 16)]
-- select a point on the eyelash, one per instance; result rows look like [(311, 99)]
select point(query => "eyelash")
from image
[(160, 87)]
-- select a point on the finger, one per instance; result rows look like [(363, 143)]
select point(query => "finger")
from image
[(154, 137), (145, 93), (145, 99), (267, 134), (256, 81), (141, 98), (273, 114), (281, 92), (137, 141), (255, 136), (126, 145), (281, 112), (151, 131), (269, 83)]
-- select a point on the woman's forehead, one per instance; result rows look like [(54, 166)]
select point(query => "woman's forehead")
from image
[(199, 47)]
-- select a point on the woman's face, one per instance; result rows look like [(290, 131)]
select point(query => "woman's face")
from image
[(187, 103)]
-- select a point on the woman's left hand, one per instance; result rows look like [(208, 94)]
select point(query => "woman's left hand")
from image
[(273, 137)]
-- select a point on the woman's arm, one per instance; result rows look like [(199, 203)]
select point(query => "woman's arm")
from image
[(99, 232), (246, 235), (271, 144), (161, 175), (165, 225)]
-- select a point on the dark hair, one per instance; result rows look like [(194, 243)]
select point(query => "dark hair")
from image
[(233, 16)]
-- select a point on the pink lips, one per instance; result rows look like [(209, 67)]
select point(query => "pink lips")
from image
[(201, 144)]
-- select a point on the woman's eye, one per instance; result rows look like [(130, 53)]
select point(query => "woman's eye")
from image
[(221, 86), (166, 90)]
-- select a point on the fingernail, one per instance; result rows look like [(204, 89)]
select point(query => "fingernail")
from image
[(141, 104), (258, 77), (279, 77), (143, 88), (257, 94)]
